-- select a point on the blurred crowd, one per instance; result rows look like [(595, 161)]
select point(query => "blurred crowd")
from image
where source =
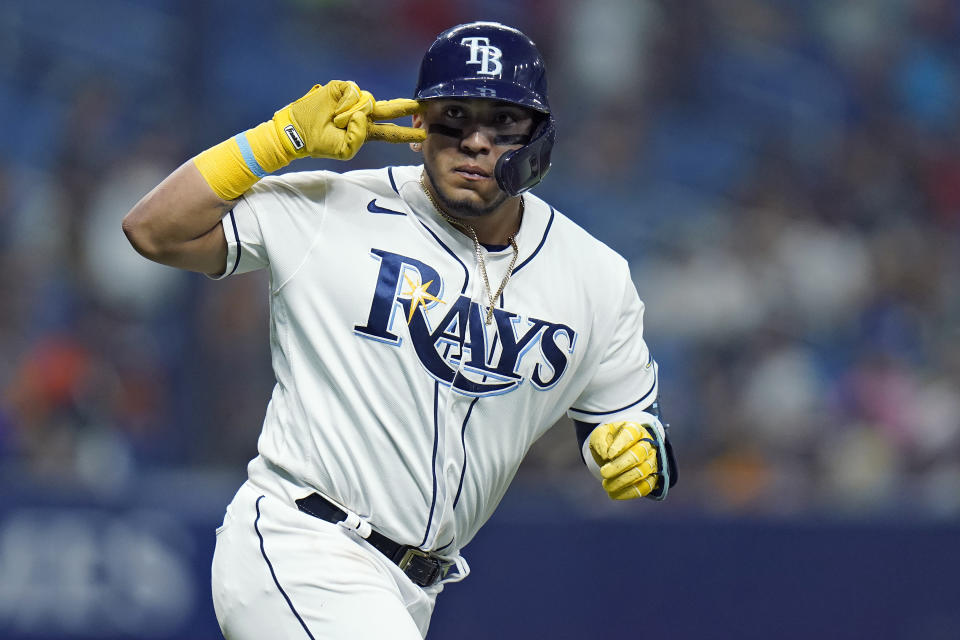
[(784, 178)]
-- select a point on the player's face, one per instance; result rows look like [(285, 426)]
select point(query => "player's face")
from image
[(465, 138)]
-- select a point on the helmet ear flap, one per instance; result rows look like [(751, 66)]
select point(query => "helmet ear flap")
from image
[(521, 169)]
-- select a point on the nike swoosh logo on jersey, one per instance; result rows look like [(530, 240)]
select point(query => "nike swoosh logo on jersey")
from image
[(372, 207)]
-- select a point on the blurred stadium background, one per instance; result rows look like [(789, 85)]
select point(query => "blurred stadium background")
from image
[(784, 177)]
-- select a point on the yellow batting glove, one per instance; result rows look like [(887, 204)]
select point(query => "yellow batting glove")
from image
[(330, 121), (627, 454)]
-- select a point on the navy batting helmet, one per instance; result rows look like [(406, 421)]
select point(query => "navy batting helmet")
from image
[(497, 62)]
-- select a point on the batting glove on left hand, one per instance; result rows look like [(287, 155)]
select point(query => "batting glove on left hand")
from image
[(632, 459)]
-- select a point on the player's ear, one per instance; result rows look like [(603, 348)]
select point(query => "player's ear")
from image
[(417, 124)]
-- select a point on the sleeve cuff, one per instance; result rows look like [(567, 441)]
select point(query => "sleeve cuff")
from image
[(232, 235)]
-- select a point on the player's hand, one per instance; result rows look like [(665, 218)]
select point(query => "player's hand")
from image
[(334, 120), (627, 454), (389, 132), (330, 121)]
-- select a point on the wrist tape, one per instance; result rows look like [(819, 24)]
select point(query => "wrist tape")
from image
[(236, 164)]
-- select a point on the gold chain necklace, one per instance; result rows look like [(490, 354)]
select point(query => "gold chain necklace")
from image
[(479, 250)]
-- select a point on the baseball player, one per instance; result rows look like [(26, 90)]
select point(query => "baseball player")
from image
[(427, 324)]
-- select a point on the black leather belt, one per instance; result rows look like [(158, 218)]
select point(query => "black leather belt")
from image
[(422, 568)]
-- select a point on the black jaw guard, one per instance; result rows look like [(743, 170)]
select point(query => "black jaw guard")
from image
[(521, 169)]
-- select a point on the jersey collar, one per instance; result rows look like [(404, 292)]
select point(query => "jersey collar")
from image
[(537, 216)]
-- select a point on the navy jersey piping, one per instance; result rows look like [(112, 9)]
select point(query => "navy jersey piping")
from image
[(393, 183), (236, 234), (466, 272), (273, 573), (436, 438), (463, 442), (602, 413), (542, 241)]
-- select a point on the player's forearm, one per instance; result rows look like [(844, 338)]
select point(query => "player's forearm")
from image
[(178, 223)]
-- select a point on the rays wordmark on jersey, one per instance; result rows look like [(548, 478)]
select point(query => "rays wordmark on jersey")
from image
[(450, 337)]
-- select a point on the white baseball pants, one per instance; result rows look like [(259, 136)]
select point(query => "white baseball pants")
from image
[(279, 573)]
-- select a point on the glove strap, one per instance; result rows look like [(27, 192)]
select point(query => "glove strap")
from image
[(659, 439), (588, 460)]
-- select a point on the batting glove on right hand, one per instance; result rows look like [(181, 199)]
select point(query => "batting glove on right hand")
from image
[(335, 119), (331, 121), (632, 459)]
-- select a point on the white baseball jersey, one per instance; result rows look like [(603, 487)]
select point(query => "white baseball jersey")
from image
[(394, 398)]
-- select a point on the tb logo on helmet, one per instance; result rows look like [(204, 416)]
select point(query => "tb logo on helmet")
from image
[(484, 54)]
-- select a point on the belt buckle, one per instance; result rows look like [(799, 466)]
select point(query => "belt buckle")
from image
[(409, 555), (423, 574)]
